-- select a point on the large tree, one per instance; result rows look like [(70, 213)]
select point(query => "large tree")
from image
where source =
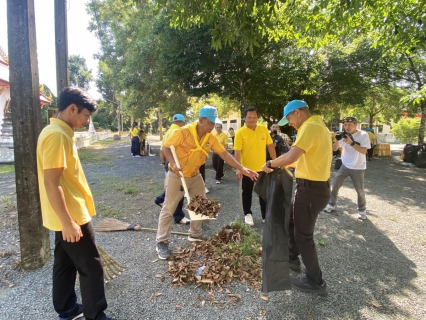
[(80, 75)]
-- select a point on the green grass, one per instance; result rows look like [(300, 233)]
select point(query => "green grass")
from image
[(321, 242), (7, 201), (88, 155), (130, 190), (250, 246), (6, 168)]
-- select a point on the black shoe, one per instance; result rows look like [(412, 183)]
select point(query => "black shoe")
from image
[(294, 264), (163, 250), (160, 204), (76, 315), (302, 284)]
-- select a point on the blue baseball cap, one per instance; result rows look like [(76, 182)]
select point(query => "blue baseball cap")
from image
[(210, 113), (290, 107), (178, 117)]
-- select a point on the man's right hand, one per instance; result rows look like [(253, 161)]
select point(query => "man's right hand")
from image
[(238, 174), (71, 232)]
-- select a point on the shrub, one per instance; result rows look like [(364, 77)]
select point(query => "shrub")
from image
[(406, 130)]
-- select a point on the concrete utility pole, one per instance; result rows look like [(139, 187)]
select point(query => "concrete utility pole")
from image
[(26, 121), (61, 42)]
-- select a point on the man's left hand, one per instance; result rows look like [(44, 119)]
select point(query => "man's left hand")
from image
[(267, 169)]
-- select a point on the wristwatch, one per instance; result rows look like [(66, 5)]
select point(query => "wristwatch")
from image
[(268, 164)]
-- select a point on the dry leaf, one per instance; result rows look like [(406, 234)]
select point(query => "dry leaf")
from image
[(157, 294), (158, 275), (375, 304), (264, 298), (178, 306)]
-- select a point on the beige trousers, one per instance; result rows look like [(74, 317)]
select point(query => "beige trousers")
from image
[(174, 192)]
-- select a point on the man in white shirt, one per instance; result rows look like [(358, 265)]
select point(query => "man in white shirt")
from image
[(354, 144)]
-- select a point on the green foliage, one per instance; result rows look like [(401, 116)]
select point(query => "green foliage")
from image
[(80, 76), (406, 130)]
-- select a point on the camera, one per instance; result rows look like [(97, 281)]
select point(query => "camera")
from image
[(341, 134)]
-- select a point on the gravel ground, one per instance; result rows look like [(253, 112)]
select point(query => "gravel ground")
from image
[(375, 269)]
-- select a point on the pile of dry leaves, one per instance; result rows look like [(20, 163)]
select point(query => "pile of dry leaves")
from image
[(204, 206), (218, 261)]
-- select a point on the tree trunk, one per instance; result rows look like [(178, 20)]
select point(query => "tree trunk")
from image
[(160, 124), (422, 122), (26, 121)]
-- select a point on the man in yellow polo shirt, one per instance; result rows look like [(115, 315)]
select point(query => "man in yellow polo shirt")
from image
[(192, 143), (250, 145), (67, 207), (218, 161), (312, 151)]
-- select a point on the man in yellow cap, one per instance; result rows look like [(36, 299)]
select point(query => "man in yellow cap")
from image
[(192, 143), (312, 151)]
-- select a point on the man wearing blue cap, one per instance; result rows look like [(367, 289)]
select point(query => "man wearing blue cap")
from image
[(192, 144), (178, 121), (312, 151)]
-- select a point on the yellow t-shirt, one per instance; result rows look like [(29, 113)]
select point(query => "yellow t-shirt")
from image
[(314, 138), (252, 144), (223, 139), (56, 149), (168, 134), (191, 156), (134, 132), (372, 136)]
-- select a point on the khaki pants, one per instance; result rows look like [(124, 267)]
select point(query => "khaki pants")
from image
[(174, 193)]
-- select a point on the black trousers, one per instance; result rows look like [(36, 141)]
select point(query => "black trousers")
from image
[(178, 214), (218, 166), (309, 200), (81, 256), (247, 186), (370, 151)]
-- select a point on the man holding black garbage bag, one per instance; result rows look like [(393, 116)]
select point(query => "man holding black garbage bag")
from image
[(312, 151)]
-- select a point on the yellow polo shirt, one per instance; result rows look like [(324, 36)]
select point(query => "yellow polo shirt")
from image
[(168, 134), (56, 149), (191, 156), (252, 144), (223, 139), (134, 132), (314, 138)]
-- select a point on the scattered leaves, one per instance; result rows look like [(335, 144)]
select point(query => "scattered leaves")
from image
[(204, 206), (231, 254)]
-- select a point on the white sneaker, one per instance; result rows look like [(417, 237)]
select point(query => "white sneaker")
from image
[(329, 208), (217, 181), (249, 219), (362, 215), (207, 190)]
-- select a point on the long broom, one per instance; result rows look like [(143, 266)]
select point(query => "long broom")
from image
[(111, 224)]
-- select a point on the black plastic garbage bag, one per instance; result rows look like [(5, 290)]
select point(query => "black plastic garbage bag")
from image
[(276, 189)]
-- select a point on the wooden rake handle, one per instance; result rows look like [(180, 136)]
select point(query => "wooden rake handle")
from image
[(182, 179)]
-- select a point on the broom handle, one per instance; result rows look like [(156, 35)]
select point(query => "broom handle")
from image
[(173, 232), (182, 179)]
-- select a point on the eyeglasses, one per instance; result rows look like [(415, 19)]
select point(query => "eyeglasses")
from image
[(290, 114)]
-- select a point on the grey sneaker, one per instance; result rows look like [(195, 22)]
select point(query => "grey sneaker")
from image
[(196, 239), (362, 215), (329, 208), (163, 250)]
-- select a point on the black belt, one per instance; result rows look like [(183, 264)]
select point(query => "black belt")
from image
[(311, 183)]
